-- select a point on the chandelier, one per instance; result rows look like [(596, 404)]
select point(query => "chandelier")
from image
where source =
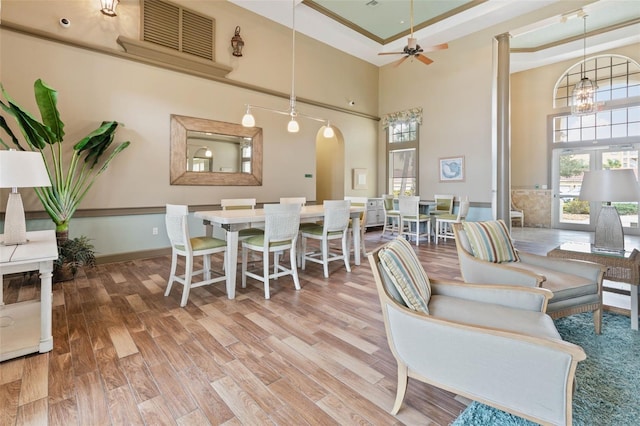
[(248, 119), (583, 98)]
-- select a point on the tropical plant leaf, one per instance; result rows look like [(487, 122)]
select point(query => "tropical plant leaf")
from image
[(96, 143), (5, 126), (47, 99)]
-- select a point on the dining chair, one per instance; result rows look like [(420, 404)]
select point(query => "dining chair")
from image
[(391, 216), (281, 228), (293, 200), (359, 202), (242, 204), (443, 204), (444, 222), (411, 220), (182, 244), (517, 214), (334, 227)]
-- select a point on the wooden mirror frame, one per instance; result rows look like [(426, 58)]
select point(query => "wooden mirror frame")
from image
[(179, 175)]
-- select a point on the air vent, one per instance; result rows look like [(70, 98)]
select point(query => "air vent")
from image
[(177, 28), (372, 3)]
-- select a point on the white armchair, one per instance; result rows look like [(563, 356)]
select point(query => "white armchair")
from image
[(492, 344), (576, 285)]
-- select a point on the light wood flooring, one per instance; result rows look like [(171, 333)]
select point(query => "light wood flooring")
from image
[(125, 354)]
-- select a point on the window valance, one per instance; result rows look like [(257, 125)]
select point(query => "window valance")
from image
[(413, 114)]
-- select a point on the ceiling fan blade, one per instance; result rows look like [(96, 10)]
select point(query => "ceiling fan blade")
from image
[(423, 59), (399, 61), (391, 53), (436, 47)]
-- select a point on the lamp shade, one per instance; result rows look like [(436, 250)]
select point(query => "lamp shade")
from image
[(22, 169), (610, 186)]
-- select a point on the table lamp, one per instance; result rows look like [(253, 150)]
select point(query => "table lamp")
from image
[(609, 186), (19, 169)]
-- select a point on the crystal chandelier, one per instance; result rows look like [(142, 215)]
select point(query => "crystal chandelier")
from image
[(292, 127), (583, 98)]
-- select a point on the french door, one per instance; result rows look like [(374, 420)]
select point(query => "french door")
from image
[(569, 165)]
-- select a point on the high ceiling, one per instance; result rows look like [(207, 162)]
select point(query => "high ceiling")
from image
[(364, 28)]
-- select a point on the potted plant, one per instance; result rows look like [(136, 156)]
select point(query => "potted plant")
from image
[(72, 171), (73, 253)]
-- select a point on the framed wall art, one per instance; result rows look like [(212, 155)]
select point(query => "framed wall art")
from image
[(451, 169), (359, 178)]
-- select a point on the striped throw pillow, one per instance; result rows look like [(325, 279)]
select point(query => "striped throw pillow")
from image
[(406, 273), (490, 241)]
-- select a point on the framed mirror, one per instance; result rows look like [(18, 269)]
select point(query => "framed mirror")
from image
[(209, 152)]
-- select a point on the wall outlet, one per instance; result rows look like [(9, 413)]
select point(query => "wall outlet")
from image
[(154, 231)]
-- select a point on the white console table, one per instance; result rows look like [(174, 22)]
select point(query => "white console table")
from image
[(25, 327)]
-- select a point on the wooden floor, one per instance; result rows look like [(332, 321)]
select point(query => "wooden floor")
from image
[(125, 354)]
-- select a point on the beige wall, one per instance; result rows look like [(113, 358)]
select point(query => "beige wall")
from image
[(531, 104), (94, 87)]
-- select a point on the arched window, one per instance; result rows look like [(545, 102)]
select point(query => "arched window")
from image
[(618, 116), (606, 139)]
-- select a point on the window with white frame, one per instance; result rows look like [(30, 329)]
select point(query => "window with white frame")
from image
[(402, 151)]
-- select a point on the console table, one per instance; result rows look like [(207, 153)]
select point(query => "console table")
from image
[(620, 267), (25, 327)]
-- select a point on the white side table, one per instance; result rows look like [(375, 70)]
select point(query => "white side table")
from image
[(25, 327)]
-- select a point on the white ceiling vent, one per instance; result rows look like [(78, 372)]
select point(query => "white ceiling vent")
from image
[(177, 28)]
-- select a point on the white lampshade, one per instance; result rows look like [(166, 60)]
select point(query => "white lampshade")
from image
[(610, 186), (328, 131), (293, 126), (248, 120), (19, 169)]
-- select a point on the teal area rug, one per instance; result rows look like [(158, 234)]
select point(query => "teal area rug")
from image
[(608, 381)]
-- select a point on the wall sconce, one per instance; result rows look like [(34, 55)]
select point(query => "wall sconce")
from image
[(108, 7), (237, 43)]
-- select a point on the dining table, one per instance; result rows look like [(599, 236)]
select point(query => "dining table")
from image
[(231, 221)]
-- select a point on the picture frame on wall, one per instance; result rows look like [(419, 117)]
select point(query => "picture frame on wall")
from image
[(359, 178), (451, 169)]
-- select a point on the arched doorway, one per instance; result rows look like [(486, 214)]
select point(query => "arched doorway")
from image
[(330, 172)]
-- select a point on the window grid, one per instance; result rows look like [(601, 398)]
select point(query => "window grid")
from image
[(402, 158), (616, 78)]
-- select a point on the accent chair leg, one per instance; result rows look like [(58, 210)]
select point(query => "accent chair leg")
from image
[(402, 388)]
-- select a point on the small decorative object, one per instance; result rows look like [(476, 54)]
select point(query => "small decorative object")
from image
[(108, 7), (452, 169), (237, 43), (359, 178), (73, 253)]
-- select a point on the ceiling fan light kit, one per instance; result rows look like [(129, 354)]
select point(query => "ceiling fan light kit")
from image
[(248, 120), (413, 49)]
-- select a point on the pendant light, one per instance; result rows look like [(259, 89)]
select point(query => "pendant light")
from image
[(248, 120), (583, 98)]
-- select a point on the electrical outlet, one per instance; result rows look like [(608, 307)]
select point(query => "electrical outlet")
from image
[(154, 231)]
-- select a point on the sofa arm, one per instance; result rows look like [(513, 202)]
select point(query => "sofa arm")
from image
[(581, 268), (518, 297), (474, 270)]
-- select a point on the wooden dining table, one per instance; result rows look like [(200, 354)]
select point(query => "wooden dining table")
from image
[(231, 221)]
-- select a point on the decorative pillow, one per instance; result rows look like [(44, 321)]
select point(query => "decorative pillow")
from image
[(490, 241), (406, 273)]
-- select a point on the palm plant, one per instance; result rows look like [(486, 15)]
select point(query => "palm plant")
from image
[(71, 178)]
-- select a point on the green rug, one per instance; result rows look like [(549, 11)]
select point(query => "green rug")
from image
[(608, 381)]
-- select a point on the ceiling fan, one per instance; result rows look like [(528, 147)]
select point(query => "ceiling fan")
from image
[(413, 49)]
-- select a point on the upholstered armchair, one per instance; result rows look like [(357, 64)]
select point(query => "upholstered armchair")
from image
[(486, 254), (489, 343)]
